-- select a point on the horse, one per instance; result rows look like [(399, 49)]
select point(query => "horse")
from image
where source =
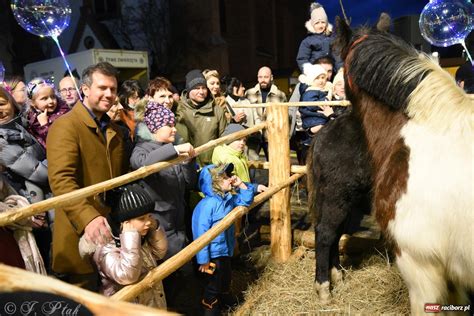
[(418, 128), (339, 182), (339, 186)]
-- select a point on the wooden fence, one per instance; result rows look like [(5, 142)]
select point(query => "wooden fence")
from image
[(279, 194)]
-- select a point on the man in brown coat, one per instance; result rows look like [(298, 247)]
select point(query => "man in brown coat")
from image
[(84, 148)]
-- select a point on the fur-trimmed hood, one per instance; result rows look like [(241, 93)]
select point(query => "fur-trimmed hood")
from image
[(143, 133)]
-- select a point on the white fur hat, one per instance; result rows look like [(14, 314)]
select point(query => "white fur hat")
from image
[(311, 72)]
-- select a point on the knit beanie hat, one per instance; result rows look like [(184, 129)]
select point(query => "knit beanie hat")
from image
[(133, 201), (127, 202), (156, 116), (311, 72), (318, 13), (195, 78), (232, 128)]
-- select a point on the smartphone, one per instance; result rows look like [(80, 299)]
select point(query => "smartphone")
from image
[(211, 269)]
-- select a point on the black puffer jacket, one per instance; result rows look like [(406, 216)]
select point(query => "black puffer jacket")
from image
[(22, 155)]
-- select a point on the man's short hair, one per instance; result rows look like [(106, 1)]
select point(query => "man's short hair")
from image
[(104, 68), (324, 60)]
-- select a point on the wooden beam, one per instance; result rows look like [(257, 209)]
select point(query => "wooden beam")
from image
[(305, 238), (14, 279), (312, 103), (279, 157), (77, 195)]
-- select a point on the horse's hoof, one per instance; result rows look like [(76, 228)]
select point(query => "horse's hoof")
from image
[(323, 292), (336, 276)]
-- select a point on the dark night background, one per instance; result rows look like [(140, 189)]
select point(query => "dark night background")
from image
[(368, 11), (233, 36)]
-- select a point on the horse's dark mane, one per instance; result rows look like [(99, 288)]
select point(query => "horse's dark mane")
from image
[(384, 66)]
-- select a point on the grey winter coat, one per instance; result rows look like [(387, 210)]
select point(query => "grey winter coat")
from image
[(167, 187), (23, 156)]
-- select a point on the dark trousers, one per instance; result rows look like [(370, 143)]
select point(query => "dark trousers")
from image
[(217, 284), (183, 291), (88, 281)]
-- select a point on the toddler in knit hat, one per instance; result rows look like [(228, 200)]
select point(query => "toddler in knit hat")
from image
[(316, 88), (157, 116), (139, 242), (156, 123), (318, 23), (317, 44)]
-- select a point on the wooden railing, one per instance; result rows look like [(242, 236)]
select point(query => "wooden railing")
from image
[(279, 180)]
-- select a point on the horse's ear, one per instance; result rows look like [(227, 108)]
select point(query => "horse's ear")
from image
[(384, 22), (343, 35)]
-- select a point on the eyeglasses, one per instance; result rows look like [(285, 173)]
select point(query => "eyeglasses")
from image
[(67, 90)]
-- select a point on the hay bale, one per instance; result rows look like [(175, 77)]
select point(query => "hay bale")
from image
[(288, 289)]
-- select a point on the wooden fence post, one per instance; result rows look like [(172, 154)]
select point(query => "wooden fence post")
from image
[(279, 157)]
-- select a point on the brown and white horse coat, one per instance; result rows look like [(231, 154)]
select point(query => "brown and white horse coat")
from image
[(419, 130)]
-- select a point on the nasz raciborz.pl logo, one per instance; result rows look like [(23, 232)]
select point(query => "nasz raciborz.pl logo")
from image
[(437, 308), (35, 308)]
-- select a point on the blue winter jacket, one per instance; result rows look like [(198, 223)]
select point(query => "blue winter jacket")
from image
[(211, 210), (314, 47)]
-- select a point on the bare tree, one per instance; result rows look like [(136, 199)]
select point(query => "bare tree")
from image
[(145, 24)]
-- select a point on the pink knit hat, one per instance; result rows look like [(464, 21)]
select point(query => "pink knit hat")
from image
[(156, 116)]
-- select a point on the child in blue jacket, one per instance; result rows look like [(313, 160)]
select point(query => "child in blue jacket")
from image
[(217, 183), (315, 87)]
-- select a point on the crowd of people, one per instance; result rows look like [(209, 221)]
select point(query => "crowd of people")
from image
[(57, 140)]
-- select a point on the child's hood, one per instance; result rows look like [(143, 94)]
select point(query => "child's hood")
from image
[(205, 181)]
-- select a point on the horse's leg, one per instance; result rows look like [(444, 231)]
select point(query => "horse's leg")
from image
[(425, 280), (327, 233), (336, 273)]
